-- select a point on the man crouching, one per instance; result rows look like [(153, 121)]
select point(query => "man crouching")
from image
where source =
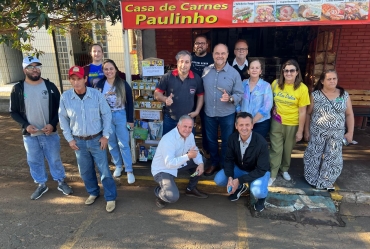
[(177, 152), (246, 161)]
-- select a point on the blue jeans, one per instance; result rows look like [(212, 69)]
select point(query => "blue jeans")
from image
[(227, 127), (89, 152), (40, 147), (258, 187), (262, 128), (118, 142), (169, 124)]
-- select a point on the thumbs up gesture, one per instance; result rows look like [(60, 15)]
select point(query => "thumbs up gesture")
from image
[(225, 96), (169, 100)]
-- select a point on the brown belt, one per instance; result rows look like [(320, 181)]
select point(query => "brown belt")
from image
[(89, 137)]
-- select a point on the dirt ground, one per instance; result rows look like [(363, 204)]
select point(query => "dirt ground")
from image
[(13, 162)]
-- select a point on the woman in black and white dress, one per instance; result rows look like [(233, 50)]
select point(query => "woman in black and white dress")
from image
[(328, 116)]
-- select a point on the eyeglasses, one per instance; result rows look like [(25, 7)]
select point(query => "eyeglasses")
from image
[(200, 43), (31, 68), (289, 71), (241, 49)]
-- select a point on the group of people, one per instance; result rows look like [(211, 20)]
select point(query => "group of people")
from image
[(234, 100), (245, 109), (95, 114)]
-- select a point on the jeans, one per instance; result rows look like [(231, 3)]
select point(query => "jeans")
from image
[(227, 127), (169, 124), (258, 187), (118, 142), (40, 147), (89, 152), (262, 128), (168, 189)]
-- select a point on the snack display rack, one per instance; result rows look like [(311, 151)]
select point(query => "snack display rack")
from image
[(147, 111)]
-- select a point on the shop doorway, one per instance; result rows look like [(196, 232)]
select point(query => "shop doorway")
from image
[(273, 45)]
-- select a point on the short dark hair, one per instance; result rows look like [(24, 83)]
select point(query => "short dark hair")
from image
[(243, 115), (201, 36)]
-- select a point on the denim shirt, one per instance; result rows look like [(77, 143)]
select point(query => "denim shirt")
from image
[(227, 78), (84, 117), (259, 101)]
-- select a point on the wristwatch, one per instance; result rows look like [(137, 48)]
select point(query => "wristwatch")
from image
[(231, 99), (107, 137)]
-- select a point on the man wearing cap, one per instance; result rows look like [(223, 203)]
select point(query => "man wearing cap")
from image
[(34, 104), (85, 118)]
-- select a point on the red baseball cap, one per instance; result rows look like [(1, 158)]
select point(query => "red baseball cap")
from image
[(76, 70)]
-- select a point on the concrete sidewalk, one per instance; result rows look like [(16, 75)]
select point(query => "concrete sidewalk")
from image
[(352, 186)]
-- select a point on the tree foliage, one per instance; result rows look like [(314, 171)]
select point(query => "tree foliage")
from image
[(19, 19)]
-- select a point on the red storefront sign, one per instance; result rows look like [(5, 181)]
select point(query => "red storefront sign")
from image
[(235, 14)]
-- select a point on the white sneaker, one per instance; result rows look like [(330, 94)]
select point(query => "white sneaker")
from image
[(130, 178), (286, 176), (117, 172), (271, 181)]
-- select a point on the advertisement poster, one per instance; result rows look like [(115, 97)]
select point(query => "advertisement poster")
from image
[(231, 14)]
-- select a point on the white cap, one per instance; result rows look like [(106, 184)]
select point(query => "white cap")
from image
[(28, 60)]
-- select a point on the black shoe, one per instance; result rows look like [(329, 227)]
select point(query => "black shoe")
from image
[(160, 203), (259, 206), (210, 171), (238, 193), (41, 189), (195, 193)]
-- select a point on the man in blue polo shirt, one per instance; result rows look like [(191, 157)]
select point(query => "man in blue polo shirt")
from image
[(178, 89)]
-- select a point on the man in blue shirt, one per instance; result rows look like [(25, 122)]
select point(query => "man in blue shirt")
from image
[(223, 91), (85, 118)]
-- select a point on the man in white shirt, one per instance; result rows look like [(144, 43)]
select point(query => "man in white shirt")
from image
[(177, 152), (240, 62)]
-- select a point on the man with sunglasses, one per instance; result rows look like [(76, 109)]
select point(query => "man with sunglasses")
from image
[(240, 62), (201, 59), (34, 104)]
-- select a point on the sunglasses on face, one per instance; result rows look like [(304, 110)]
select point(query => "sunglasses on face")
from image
[(289, 70)]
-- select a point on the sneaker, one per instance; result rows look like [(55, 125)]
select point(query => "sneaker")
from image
[(259, 207), (286, 176), (156, 191), (111, 205), (238, 193), (130, 178), (41, 189), (117, 172), (160, 203), (67, 190), (91, 199), (271, 181)]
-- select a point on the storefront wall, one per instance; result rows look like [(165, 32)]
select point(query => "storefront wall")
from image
[(171, 41), (352, 64), (353, 60)]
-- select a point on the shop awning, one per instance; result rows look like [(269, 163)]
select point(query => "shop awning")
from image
[(146, 14)]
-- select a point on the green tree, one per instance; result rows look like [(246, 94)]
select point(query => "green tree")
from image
[(19, 19)]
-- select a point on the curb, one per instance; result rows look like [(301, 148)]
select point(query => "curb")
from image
[(347, 196)]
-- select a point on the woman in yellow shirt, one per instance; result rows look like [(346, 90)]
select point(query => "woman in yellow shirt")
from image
[(289, 113)]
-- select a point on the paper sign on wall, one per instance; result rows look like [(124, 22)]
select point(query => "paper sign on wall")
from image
[(152, 67), (154, 115)]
